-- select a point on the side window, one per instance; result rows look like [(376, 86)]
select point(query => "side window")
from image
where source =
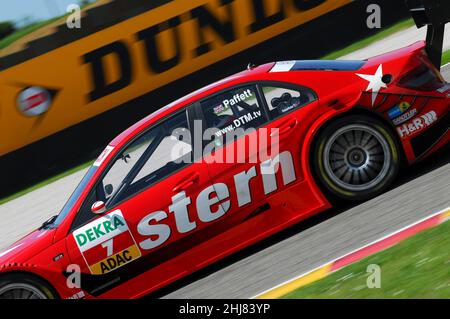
[(238, 108), (126, 161), (282, 100), (172, 150), (157, 153)]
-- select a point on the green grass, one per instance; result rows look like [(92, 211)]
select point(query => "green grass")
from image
[(24, 31), (369, 40), (31, 28), (418, 267), (46, 182), (446, 57)]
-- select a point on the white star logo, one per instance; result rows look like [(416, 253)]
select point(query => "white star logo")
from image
[(375, 82)]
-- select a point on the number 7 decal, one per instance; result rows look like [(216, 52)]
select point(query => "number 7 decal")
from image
[(109, 247)]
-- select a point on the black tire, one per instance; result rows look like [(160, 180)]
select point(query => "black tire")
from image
[(24, 286), (355, 158)]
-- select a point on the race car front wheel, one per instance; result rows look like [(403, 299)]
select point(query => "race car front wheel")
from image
[(22, 286), (356, 157)]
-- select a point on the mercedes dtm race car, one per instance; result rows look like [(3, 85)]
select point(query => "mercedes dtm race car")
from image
[(172, 195)]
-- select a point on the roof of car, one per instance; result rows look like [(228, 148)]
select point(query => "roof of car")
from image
[(318, 65)]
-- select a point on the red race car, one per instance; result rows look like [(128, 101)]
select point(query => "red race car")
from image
[(229, 165)]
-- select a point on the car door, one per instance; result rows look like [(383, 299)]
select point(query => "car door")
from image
[(231, 123), (264, 164), (150, 190), (291, 110)]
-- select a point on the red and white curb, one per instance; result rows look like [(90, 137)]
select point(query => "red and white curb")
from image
[(356, 255)]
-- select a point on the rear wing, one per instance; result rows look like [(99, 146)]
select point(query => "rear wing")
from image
[(434, 14)]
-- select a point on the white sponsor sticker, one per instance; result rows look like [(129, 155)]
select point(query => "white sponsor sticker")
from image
[(283, 66), (242, 120), (78, 295), (417, 124), (106, 243), (103, 155), (239, 97), (100, 230), (404, 117)]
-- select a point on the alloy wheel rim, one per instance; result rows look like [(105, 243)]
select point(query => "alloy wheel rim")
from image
[(357, 157), (21, 291)]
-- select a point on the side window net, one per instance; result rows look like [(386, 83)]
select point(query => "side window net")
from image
[(283, 100)]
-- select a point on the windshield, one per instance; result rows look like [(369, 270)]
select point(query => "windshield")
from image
[(75, 196)]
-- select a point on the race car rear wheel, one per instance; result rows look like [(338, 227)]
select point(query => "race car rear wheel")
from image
[(356, 157), (22, 286)]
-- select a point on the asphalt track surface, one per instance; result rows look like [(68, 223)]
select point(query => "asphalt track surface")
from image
[(420, 191)]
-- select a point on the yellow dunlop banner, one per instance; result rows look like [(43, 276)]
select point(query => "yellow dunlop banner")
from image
[(98, 72)]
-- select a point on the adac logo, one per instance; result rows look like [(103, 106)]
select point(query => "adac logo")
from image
[(398, 110), (34, 101)]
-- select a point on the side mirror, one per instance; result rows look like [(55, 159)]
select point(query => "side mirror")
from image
[(108, 189), (98, 207)]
